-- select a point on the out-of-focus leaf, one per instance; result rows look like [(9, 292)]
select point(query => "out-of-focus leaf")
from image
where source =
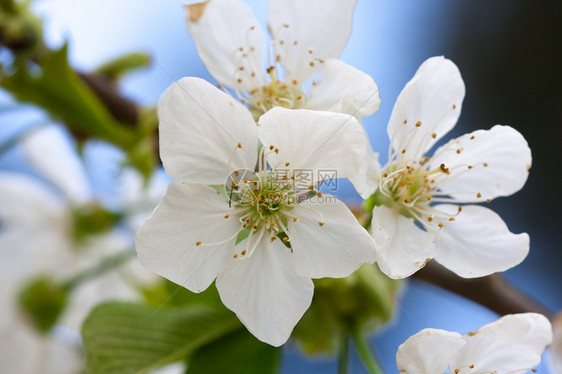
[(237, 353), (59, 90), (361, 302), (126, 338), (170, 294), (123, 64)]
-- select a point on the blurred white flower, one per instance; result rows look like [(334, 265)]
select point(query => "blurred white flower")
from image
[(38, 236), (307, 38), (418, 215), (512, 344), (191, 238)]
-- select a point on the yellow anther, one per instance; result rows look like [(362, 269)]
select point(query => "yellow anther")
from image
[(273, 238), (226, 216), (235, 255), (285, 239), (287, 163), (321, 223), (295, 219), (239, 145), (430, 219), (452, 219), (434, 135), (478, 195), (441, 225), (418, 124), (243, 253), (197, 244)]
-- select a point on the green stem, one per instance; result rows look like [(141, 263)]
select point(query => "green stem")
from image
[(103, 267), (365, 352), (343, 360)]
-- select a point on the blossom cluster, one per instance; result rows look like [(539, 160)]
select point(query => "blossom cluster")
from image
[(253, 160)]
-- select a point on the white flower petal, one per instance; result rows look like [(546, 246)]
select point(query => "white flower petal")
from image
[(49, 152), (34, 227), (229, 40), (265, 292), (167, 243), (478, 242), (493, 163), (514, 343), (316, 141), (335, 249), (306, 32), (344, 89), (404, 248), (428, 351), (430, 104), (200, 130), (368, 185)]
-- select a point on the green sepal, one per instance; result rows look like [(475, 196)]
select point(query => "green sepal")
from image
[(92, 219), (43, 300)]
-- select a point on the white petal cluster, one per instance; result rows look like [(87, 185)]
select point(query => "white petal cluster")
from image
[(306, 39), (513, 344), (193, 235), (420, 212), (36, 239)]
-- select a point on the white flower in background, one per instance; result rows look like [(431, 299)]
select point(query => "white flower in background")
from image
[(513, 344), (556, 346), (37, 237), (191, 238), (418, 214), (307, 38)]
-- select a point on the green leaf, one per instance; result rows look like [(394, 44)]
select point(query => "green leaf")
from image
[(237, 353), (127, 338), (59, 90), (123, 64)]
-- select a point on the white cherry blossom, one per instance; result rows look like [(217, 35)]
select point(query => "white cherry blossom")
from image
[(511, 345), (419, 211), (195, 234), (37, 238), (307, 38)]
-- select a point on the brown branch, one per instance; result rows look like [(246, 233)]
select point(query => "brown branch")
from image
[(493, 291), (107, 91)]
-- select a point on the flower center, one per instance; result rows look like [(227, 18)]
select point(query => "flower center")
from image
[(275, 93), (412, 189), (265, 199)]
